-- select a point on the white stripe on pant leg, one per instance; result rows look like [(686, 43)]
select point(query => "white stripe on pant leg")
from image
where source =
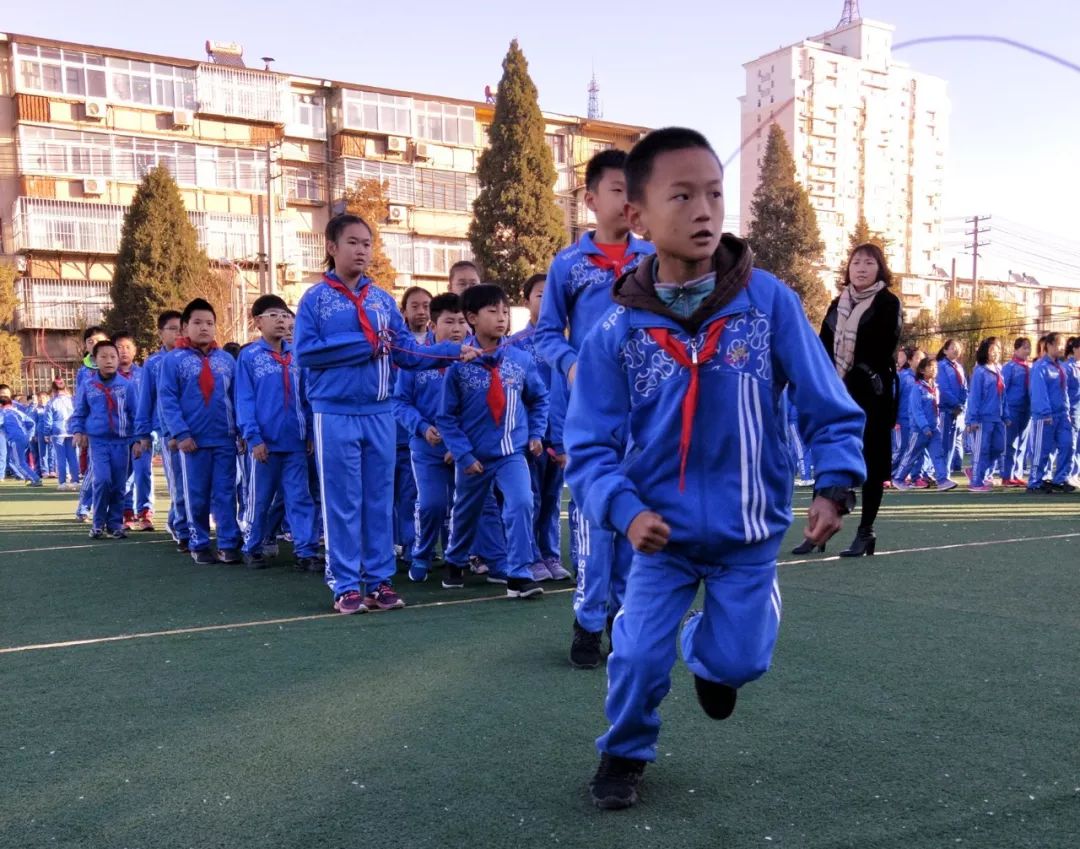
[(249, 508), (187, 493), (322, 484)]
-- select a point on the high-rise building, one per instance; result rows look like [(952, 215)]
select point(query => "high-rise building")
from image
[(80, 125), (868, 135)]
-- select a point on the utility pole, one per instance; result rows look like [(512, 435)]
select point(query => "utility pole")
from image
[(271, 254), (976, 232)]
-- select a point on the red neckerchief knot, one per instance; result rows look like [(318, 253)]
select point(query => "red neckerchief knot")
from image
[(357, 299)]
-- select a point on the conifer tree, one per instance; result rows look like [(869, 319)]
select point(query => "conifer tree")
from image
[(370, 200), (517, 227), (159, 260), (784, 233), (10, 348)]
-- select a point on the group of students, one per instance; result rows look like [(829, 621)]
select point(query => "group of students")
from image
[(1016, 416)]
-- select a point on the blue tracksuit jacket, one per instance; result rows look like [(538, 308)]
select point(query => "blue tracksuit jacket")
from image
[(262, 414), (18, 426), (952, 385), (1072, 386), (1017, 376), (923, 407), (907, 383), (985, 402), (578, 296), (61, 408), (185, 412), (148, 410), (553, 380), (1049, 389), (417, 398), (736, 505), (92, 414), (465, 420)]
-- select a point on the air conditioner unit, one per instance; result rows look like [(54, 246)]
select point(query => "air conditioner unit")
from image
[(398, 214), (292, 274), (94, 186), (395, 144), (183, 117), (282, 203), (96, 110), (423, 150)]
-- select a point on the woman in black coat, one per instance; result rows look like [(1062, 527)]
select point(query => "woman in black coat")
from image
[(861, 333)]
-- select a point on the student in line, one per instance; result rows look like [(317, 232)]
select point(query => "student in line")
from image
[(91, 336), (1051, 427), (61, 408), (924, 413), (139, 493), (986, 402), (18, 428), (1072, 374), (1017, 412), (952, 385), (464, 274)]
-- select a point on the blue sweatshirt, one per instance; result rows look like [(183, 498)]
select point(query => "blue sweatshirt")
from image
[(93, 415), (61, 408), (985, 402), (148, 410), (578, 295), (17, 425), (40, 417), (417, 397), (1017, 376), (262, 412), (86, 370), (184, 411), (465, 420), (1049, 389), (1072, 386), (345, 376), (907, 383), (923, 407), (736, 504), (553, 380), (952, 385)]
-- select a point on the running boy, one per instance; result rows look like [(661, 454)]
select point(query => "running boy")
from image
[(275, 423), (417, 396), (491, 411), (195, 390), (578, 297), (683, 369), (103, 423)]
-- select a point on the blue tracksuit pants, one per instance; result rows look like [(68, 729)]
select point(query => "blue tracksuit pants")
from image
[(177, 520), (731, 642), (1012, 467), (44, 454), (283, 472), (1049, 437), (208, 479), (356, 488), (16, 459), (799, 453), (139, 490), (1075, 470), (547, 487), (952, 439), (110, 460), (510, 476), (67, 460), (603, 560), (918, 443), (86, 491), (435, 496), (987, 446), (404, 499)]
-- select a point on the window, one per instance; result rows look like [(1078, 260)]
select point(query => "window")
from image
[(434, 257), (445, 122), (378, 113), (445, 189), (402, 185), (303, 184), (557, 143), (308, 117), (241, 93), (399, 250)]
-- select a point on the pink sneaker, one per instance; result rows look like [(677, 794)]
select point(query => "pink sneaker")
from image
[(980, 488), (350, 602), (920, 483), (383, 597)]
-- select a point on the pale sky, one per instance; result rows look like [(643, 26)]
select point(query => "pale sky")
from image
[(1015, 125)]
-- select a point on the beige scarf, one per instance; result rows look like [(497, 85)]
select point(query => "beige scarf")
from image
[(849, 312)]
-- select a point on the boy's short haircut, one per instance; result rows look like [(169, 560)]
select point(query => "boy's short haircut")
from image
[(639, 162), (484, 295), (269, 302), (412, 290), (166, 317), (612, 159), (95, 330), (122, 334), (1021, 342), (104, 343), (232, 349), (446, 302), (460, 264), (535, 281), (197, 305), (5, 388)]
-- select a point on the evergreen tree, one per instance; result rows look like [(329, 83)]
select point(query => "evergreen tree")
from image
[(863, 235), (159, 261), (784, 234), (371, 201), (10, 348), (517, 226)]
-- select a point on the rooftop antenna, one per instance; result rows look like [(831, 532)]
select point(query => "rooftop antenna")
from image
[(851, 13), (594, 98), (267, 61)]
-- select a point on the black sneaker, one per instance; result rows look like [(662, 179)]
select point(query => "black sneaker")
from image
[(182, 546), (455, 578), (717, 700), (611, 632), (615, 785), (229, 556), (254, 561), (585, 649), (316, 564), (96, 533), (1064, 487), (523, 588), (204, 557), (119, 533)]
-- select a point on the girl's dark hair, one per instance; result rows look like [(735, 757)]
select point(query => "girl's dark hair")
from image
[(982, 354), (884, 275), (1072, 344), (1051, 339), (920, 369), (413, 290), (533, 282), (336, 226), (941, 354), (1021, 342), (909, 353)]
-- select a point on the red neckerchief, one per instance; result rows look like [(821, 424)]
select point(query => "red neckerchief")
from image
[(357, 299), (496, 395), (110, 404), (933, 394), (959, 372), (1027, 371), (608, 261), (284, 360), (1061, 374), (206, 374), (690, 359)]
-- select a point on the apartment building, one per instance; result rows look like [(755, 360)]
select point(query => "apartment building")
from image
[(261, 158)]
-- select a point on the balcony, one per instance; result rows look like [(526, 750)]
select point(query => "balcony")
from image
[(309, 251), (241, 93), (60, 304)]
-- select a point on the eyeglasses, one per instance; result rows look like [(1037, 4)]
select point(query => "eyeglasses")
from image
[(275, 314)]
